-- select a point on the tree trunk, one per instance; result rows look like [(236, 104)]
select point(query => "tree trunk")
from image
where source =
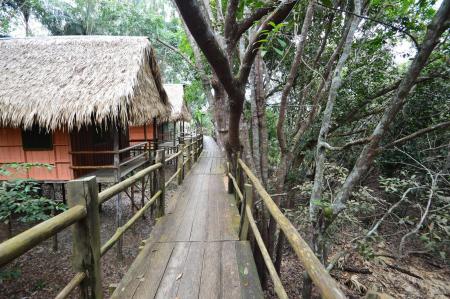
[(260, 102), (220, 114)]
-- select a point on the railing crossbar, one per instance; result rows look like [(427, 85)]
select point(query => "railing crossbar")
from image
[(73, 283), (121, 230), (119, 187), (317, 272), (277, 285), (18, 245)]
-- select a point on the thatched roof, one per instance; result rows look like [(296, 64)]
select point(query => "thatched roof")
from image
[(66, 82), (180, 111)]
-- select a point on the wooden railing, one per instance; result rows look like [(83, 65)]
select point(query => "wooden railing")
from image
[(84, 218), (242, 178), (136, 151)]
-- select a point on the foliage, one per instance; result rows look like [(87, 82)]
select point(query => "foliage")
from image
[(9, 274), (20, 197)]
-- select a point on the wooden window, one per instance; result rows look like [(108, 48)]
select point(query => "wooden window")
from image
[(37, 138)]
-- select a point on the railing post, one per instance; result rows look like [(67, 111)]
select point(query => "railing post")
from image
[(188, 155), (196, 149), (180, 160), (230, 171), (86, 236), (248, 202), (161, 158), (237, 176), (192, 152)]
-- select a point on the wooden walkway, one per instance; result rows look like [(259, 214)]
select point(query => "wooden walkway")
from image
[(194, 251)]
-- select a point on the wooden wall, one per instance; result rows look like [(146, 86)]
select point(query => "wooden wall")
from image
[(137, 133), (11, 150)]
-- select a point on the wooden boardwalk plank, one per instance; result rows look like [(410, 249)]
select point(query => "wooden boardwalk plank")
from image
[(210, 286), (168, 287), (194, 250), (230, 272), (190, 281)]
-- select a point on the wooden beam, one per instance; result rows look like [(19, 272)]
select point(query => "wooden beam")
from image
[(86, 235), (20, 244), (160, 158), (327, 286)]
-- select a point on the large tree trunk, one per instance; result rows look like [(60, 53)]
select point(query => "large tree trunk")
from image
[(220, 114), (316, 194), (255, 145), (260, 102)]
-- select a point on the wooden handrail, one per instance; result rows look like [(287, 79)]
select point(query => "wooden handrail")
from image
[(173, 156), (172, 177), (133, 159), (123, 150), (236, 187), (94, 167), (109, 152), (18, 245), (119, 187), (73, 283), (121, 230), (277, 285), (327, 285)]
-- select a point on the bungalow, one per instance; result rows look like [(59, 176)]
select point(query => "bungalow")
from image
[(164, 132), (69, 101)]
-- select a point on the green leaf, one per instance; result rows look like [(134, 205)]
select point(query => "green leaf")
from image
[(279, 52), (282, 42), (327, 3)]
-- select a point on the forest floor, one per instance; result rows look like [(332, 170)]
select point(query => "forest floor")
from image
[(417, 276), (43, 272)]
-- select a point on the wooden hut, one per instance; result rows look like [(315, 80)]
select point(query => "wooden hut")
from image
[(163, 131), (180, 113), (68, 102)]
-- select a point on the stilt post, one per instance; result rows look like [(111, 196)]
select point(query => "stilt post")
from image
[(86, 236), (180, 161), (160, 158), (248, 202)]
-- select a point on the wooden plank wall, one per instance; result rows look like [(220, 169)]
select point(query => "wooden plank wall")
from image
[(137, 134), (11, 150)]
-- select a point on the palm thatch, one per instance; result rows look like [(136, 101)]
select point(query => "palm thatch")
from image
[(67, 82), (180, 111)]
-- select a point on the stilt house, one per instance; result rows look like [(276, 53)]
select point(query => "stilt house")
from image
[(69, 101)]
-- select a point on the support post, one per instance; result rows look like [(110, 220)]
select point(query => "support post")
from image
[(237, 176), (86, 236), (55, 236), (192, 151), (119, 196), (248, 202), (188, 156), (160, 158), (180, 160)]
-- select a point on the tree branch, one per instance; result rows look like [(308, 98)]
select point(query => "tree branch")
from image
[(277, 16), (402, 30), (206, 40), (416, 134), (177, 52), (300, 45)]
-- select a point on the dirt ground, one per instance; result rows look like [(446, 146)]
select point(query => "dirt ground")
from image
[(42, 272), (415, 277)]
